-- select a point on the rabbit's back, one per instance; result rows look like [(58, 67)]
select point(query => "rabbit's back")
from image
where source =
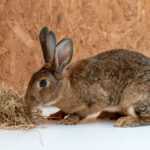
[(105, 75)]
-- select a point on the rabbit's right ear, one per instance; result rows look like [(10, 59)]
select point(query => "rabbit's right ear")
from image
[(63, 54), (48, 44)]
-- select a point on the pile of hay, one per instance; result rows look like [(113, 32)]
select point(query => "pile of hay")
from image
[(14, 113)]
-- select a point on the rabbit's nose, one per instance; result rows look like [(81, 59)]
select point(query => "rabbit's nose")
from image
[(32, 101), (32, 98)]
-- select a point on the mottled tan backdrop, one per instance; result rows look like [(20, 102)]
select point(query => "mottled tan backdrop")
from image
[(94, 26)]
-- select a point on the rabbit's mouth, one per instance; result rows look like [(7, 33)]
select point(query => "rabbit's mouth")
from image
[(36, 109), (32, 102)]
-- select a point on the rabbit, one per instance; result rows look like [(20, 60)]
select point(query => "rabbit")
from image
[(113, 83)]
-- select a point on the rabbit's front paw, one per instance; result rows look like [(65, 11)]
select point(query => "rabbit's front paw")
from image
[(66, 122), (71, 119)]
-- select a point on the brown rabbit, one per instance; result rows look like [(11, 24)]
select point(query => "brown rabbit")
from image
[(115, 82)]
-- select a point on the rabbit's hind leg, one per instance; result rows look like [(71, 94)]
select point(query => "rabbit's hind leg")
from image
[(137, 115), (130, 121)]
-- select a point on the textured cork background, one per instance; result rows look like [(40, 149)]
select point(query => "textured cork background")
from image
[(94, 26)]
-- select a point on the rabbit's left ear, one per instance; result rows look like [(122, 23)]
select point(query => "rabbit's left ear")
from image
[(48, 44), (63, 54)]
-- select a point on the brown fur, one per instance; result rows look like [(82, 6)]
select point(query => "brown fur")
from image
[(57, 116), (119, 78)]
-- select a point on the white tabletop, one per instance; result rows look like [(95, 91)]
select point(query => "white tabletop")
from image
[(90, 134)]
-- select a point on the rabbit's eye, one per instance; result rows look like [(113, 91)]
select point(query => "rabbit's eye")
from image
[(43, 83)]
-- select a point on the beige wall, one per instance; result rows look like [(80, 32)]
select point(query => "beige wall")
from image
[(94, 26)]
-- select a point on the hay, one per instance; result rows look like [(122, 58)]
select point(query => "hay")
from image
[(14, 113)]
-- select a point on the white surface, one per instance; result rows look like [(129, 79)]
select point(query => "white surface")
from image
[(91, 134)]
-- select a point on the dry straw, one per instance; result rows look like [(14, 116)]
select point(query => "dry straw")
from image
[(14, 113)]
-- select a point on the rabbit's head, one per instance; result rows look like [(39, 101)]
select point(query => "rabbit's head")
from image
[(45, 84)]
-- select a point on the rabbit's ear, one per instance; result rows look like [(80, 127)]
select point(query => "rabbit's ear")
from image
[(63, 54), (48, 44)]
